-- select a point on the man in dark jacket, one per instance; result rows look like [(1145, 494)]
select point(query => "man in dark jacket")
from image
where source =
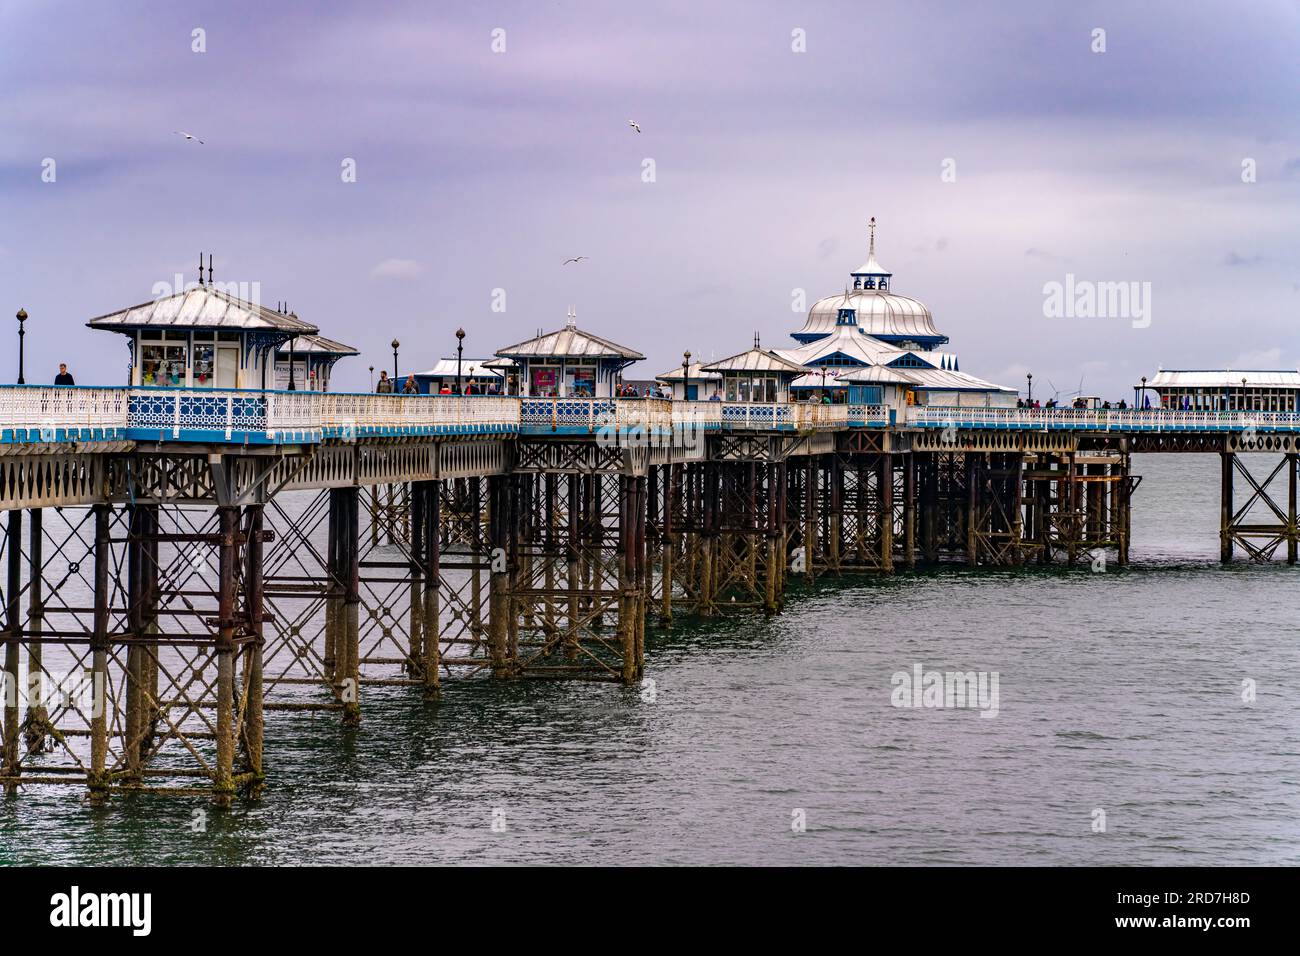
[(64, 377)]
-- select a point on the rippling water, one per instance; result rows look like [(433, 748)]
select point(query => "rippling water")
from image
[(1119, 691)]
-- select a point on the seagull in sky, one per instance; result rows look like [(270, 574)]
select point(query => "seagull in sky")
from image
[(574, 259), (634, 126), (189, 136)]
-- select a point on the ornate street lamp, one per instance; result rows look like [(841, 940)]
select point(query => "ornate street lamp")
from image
[(372, 378), (460, 349), (22, 317), (396, 346), (292, 387), (1137, 403), (1029, 377)]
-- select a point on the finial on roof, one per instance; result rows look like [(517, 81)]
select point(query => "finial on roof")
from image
[(573, 318), (756, 345), (200, 268), (877, 277), (209, 267)]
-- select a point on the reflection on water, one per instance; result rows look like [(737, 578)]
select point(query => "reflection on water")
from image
[(1119, 691)]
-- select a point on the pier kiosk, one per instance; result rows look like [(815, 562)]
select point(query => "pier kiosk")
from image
[(203, 337), (690, 383), (569, 363), (313, 359), (756, 375)]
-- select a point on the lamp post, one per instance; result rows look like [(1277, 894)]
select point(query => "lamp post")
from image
[(1243, 393), (1029, 378), (460, 349), (396, 345), (292, 387), (21, 317), (1138, 403), (686, 372), (372, 378)]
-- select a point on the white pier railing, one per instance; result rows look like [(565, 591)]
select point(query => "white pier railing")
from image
[(1101, 419), (698, 416), (813, 416), (358, 414), (36, 407), (651, 415)]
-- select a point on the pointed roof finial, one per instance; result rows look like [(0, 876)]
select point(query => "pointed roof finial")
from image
[(756, 345), (209, 267), (573, 318), (200, 268), (871, 267)]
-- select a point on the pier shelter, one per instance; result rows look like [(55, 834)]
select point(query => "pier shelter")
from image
[(470, 376), (1223, 390)]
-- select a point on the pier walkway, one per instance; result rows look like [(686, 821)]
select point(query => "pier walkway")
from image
[(52, 414)]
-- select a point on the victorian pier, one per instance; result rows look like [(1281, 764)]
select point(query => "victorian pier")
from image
[(183, 558)]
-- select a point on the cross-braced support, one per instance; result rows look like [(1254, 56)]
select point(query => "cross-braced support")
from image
[(1245, 526), (142, 641), (574, 583)]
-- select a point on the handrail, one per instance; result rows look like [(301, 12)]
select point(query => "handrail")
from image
[(1106, 419), (62, 406), (29, 411)]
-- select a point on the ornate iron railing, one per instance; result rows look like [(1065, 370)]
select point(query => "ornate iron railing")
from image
[(566, 414)]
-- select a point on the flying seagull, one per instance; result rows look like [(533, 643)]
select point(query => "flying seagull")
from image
[(574, 259), (634, 126), (189, 136)]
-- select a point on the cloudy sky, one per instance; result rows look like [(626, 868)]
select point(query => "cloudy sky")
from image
[(479, 170)]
